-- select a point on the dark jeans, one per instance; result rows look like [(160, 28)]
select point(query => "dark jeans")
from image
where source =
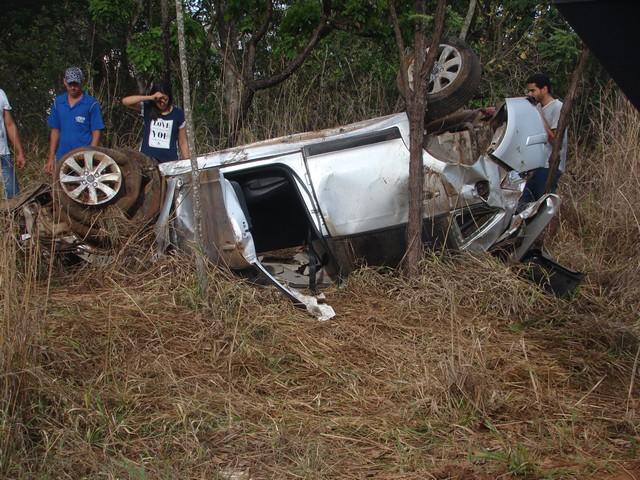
[(534, 188)]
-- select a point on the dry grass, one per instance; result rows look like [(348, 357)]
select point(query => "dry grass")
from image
[(141, 376), (468, 371), (601, 214)]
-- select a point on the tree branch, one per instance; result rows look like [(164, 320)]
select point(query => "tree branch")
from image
[(404, 74), (438, 20), (322, 29)]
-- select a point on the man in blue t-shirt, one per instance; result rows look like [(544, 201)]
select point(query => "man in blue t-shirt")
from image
[(75, 119)]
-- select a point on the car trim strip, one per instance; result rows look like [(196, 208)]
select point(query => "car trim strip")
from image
[(368, 138)]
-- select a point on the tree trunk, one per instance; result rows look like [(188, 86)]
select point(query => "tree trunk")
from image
[(467, 21), (231, 93), (416, 181), (197, 212), (554, 159), (416, 108), (237, 99), (166, 73)]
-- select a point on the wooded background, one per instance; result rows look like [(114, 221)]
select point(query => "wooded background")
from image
[(259, 69)]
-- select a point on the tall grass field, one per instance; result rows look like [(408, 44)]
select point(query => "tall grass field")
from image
[(130, 371)]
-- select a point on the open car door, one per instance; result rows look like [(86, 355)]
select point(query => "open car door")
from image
[(226, 231)]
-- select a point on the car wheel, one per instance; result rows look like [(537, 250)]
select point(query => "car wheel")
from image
[(89, 179), (454, 79), (105, 194)]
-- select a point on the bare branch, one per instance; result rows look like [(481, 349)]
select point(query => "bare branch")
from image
[(400, 43), (435, 42), (322, 29)]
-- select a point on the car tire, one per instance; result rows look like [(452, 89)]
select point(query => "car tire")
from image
[(152, 190), (84, 190), (455, 79), (133, 202)]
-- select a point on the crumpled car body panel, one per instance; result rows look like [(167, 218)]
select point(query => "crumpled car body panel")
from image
[(350, 183)]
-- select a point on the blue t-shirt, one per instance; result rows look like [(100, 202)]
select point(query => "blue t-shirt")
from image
[(75, 123), (160, 136)]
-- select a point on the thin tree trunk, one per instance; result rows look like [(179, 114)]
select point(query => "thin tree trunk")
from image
[(416, 108), (195, 172), (467, 21), (166, 74), (554, 159), (232, 91)]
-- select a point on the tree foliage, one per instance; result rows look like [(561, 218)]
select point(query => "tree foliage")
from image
[(119, 45)]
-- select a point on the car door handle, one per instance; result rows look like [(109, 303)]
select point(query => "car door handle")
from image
[(536, 139)]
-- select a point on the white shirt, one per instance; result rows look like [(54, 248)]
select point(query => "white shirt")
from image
[(551, 114), (4, 105)]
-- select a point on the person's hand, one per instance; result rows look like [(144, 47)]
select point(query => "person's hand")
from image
[(158, 96), (20, 160), (488, 111), (49, 166)]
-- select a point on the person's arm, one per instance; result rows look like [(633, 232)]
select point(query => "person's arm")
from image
[(183, 144), (54, 138), (551, 132), (133, 101), (95, 138), (14, 137)]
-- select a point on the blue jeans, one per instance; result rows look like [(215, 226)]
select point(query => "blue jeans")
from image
[(534, 188), (11, 187)]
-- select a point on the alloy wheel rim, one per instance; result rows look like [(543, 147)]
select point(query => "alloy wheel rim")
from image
[(90, 177)]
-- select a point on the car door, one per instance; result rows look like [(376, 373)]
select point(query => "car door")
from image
[(360, 181)]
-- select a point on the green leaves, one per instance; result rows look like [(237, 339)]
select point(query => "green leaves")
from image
[(111, 10), (560, 47), (145, 51), (145, 47)]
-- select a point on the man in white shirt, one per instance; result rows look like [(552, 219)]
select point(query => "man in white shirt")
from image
[(539, 89), (9, 131)]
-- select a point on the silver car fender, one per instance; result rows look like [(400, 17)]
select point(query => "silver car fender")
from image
[(520, 141)]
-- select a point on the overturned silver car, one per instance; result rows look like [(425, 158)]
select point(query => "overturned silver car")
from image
[(338, 197)]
